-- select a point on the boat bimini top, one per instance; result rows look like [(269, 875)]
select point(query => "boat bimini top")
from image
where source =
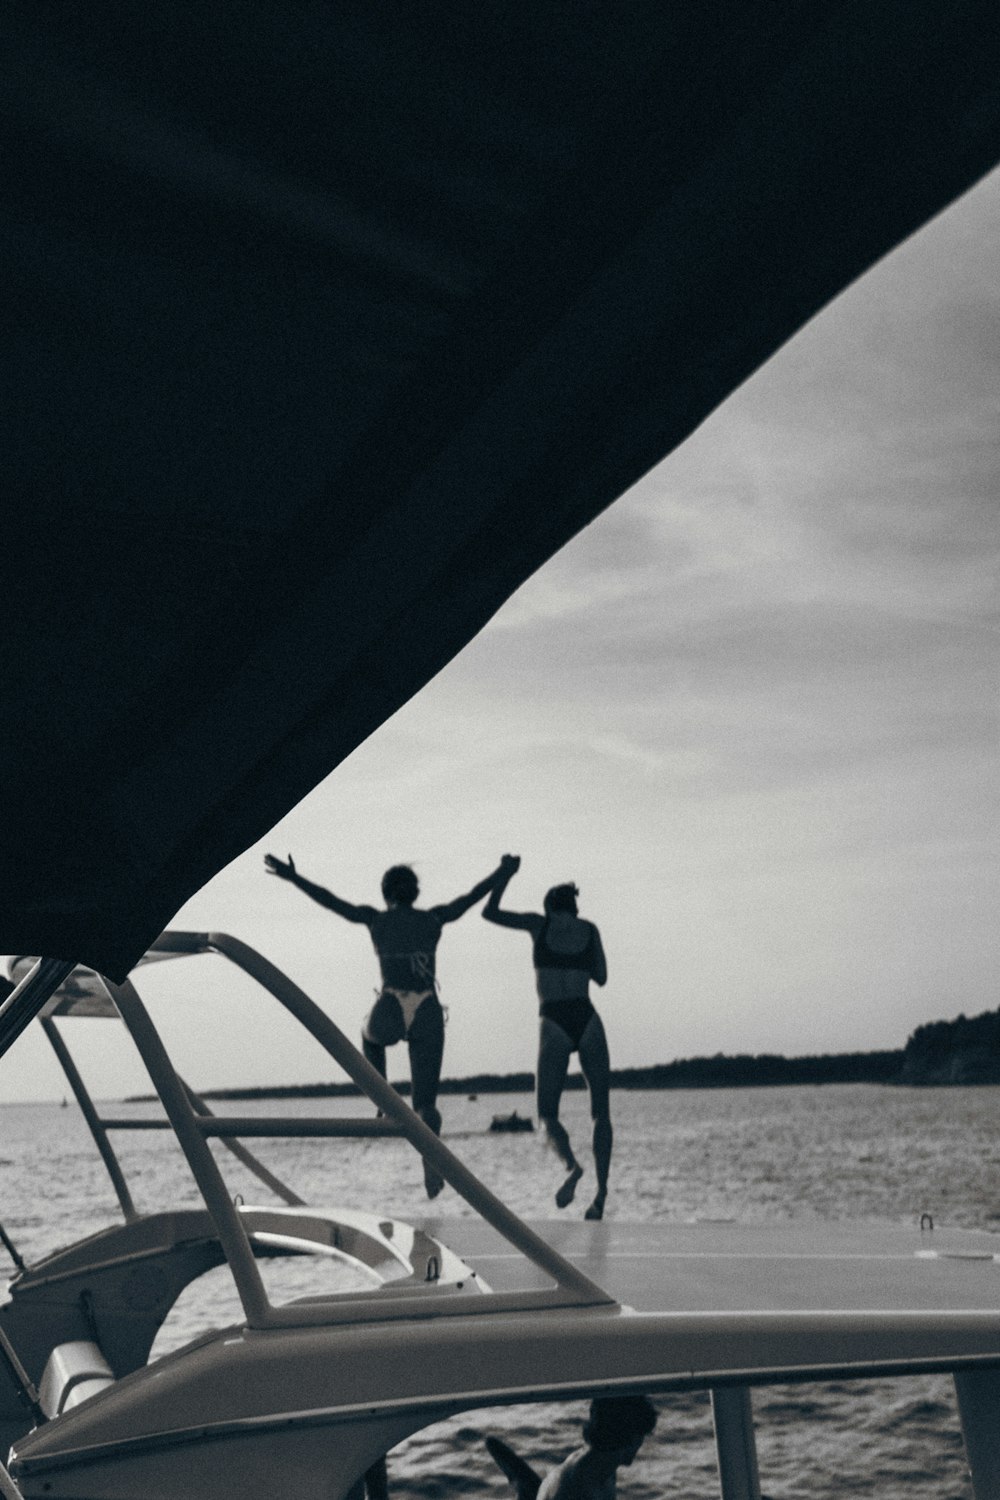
[(324, 331)]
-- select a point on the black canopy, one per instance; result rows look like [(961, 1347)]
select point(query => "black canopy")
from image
[(327, 324)]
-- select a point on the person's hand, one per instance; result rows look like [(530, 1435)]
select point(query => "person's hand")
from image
[(274, 866), (509, 865)]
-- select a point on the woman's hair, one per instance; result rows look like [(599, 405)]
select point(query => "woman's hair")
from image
[(561, 898), (400, 885), (616, 1421)]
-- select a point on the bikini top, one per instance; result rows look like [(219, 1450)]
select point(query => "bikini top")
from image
[(405, 941), (546, 957)]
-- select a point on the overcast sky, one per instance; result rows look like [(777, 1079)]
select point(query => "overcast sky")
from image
[(751, 711)]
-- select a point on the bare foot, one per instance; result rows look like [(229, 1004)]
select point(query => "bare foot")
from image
[(596, 1209), (567, 1192)]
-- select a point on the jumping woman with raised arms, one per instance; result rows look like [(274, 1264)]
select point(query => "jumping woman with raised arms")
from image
[(567, 954), (405, 939)]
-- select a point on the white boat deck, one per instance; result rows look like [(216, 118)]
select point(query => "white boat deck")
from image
[(800, 1266)]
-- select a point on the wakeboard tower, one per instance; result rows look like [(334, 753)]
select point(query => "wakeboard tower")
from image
[(454, 1313)]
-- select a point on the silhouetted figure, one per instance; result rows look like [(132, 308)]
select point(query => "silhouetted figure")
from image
[(405, 939), (613, 1434), (567, 954)]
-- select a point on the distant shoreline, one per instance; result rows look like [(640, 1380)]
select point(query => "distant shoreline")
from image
[(941, 1054), (764, 1071)]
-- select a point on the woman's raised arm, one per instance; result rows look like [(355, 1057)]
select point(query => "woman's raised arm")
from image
[(287, 871), (528, 921)]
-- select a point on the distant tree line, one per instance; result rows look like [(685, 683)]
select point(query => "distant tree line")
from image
[(963, 1051), (966, 1050), (763, 1070), (687, 1073)]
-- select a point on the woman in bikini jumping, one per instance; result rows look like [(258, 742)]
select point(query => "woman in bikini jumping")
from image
[(567, 954), (405, 939)]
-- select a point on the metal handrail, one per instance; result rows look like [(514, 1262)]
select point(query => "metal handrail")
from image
[(96, 1125), (268, 1178), (27, 998), (11, 1249), (191, 1131), (8, 1489), (23, 1383), (232, 1235), (269, 1125)]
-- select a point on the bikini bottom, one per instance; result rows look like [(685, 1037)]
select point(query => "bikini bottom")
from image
[(571, 1015), (395, 1013)]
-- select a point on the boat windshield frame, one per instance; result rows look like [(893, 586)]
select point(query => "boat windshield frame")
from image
[(84, 992)]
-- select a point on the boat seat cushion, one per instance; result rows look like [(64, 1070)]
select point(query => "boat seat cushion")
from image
[(73, 1372)]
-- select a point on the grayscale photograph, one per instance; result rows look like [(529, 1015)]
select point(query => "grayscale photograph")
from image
[(501, 834)]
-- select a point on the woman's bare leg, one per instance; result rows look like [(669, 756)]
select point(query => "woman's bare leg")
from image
[(554, 1052), (425, 1040), (596, 1066)]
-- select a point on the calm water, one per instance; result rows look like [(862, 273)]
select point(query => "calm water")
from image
[(834, 1153)]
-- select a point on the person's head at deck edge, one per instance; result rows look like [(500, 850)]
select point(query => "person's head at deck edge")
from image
[(619, 1424)]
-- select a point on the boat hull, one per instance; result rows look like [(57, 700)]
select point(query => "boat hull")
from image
[(751, 1305)]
